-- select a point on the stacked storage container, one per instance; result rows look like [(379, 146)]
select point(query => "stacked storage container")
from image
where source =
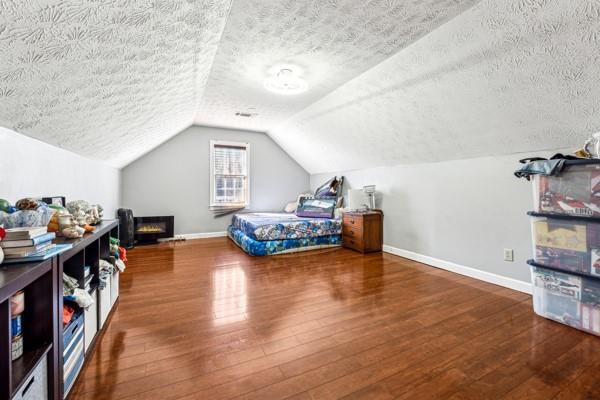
[(565, 270), (73, 353)]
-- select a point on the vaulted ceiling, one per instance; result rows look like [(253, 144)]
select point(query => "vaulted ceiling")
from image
[(331, 42), (109, 79), (390, 82)]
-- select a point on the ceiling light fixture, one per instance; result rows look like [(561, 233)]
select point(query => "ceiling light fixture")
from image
[(286, 81)]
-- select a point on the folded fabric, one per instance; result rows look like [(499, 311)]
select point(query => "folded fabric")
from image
[(82, 298), (541, 167), (120, 265), (106, 270), (69, 284)]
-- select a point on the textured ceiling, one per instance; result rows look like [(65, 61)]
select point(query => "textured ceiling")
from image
[(390, 82), (503, 77), (109, 79), (330, 41)]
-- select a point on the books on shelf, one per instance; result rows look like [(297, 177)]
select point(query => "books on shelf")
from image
[(25, 233), (43, 238), (40, 256), (15, 252)]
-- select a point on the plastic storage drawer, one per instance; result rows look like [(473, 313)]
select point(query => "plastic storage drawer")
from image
[(576, 191), (568, 299), (73, 353), (91, 321), (36, 387), (567, 243)]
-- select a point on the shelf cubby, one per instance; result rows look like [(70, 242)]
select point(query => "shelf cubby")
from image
[(38, 282)]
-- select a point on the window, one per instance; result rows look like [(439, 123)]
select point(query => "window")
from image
[(229, 187)]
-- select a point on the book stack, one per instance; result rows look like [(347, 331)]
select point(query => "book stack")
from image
[(27, 244)]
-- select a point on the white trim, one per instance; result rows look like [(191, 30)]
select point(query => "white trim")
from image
[(203, 235), (500, 280), (193, 236), (245, 145)]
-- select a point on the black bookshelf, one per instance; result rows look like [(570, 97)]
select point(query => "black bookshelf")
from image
[(86, 251), (38, 281), (42, 317)]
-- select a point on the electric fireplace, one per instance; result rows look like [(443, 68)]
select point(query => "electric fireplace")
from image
[(148, 230)]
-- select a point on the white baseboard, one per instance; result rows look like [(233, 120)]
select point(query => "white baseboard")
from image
[(193, 236), (500, 280), (204, 235)]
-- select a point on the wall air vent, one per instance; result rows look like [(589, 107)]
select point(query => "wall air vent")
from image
[(245, 114)]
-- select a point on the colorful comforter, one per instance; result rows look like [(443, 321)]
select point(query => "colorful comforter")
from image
[(271, 247), (281, 226)]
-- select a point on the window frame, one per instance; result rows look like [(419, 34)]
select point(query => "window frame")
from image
[(212, 201)]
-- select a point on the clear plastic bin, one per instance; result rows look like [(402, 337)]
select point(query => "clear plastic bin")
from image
[(568, 299), (576, 191), (568, 244)]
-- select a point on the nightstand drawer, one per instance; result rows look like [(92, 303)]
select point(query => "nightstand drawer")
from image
[(352, 221), (352, 232), (353, 243)]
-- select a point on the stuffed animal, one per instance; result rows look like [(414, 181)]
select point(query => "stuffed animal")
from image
[(27, 203), (85, 213), (68, 227), (53, 225)]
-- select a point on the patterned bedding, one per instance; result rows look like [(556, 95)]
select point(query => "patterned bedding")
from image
[(280, 226), (270, 247)]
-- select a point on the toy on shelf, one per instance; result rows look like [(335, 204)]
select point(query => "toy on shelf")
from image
[(53, 225), (27, 213), (27, 204), (85, 213), (68, 227)]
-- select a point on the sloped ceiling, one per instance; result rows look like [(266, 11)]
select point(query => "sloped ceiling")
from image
[(503, 77), (109, 79), (330, 42), (390, 82)]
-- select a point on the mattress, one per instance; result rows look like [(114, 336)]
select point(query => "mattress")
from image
[(280, 226), (271, 247)]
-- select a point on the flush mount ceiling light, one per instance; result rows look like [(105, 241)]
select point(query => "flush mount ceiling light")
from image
[(286, 81)]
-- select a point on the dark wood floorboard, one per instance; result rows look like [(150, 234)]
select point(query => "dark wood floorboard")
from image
[(202, 320)]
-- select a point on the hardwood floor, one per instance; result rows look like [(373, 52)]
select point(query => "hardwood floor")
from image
[(202, 320)]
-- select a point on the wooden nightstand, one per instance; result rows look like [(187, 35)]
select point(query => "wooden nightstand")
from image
[(363, 231)]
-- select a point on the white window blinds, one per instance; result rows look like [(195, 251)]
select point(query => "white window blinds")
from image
[(229, 174)]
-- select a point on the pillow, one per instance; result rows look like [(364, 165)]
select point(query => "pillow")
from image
[(317, 208), (291, 207), (330, 188)]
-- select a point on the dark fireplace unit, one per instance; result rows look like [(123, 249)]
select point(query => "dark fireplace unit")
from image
[(149, 229)]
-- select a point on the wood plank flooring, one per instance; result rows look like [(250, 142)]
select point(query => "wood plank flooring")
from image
[(202, 320)]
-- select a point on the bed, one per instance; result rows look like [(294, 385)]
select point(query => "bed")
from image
[(261, 234)]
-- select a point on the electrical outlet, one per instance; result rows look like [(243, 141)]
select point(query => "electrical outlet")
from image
[(509, 255)]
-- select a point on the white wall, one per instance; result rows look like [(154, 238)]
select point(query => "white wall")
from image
[(465, 212), (30, 168), (173, 179)]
